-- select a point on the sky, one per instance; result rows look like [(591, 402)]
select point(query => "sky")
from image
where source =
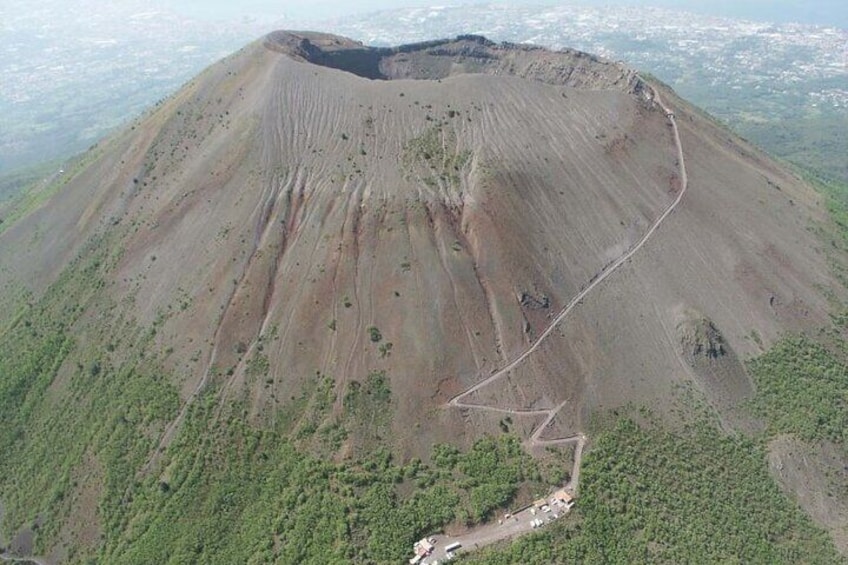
[(821, 12)]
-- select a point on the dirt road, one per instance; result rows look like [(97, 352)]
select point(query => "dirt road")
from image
[(535, 440), (609, 270), (13, 559), (516, 525), (522, 523)]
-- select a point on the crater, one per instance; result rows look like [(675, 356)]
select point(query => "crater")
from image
[(466, 54)]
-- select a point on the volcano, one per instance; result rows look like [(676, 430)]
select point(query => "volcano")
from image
[(494, 229)]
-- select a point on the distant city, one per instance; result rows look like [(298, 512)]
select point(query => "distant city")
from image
[(692, 53), (66, 79), (69, 77)]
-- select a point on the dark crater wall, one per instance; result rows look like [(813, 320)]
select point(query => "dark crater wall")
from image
[(466, 54)]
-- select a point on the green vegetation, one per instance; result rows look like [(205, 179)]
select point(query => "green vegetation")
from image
[(812, 141), (374, 334), (492, 471), (231, 489), (803, 390), (78, 422), (22, 204), (312, 407), (258, 366), (63, 403), (651, 495), (698, 495), (836, 193), (833, 234), (239, 494), (368, 410), (16, 182), (435, 157)]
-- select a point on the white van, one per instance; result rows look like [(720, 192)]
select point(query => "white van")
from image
[(452, 547)]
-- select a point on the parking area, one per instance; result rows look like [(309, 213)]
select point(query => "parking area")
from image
[(538, 515)]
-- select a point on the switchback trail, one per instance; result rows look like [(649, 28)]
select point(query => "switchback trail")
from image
[(579, 439)]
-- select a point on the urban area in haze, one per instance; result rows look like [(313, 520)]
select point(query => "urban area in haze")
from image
[(71, 75)]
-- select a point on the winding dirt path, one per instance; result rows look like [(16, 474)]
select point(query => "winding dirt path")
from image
[(521, 523), (535, 439)]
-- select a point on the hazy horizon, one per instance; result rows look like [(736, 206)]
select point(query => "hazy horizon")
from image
[(71, 71), (818, 12)]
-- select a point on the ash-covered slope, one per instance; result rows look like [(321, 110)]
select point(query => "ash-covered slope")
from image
[(317, 246), (313, 206)]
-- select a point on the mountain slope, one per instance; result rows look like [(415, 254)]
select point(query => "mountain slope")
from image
[(310, 212)]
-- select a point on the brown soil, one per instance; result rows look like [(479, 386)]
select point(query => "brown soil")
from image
[(308, 188), (817, 477)]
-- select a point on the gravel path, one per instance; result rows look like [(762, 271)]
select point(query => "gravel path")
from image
[(522, 522)]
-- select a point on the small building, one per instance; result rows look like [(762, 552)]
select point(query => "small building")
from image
[(422, 549), (539, 503), (564, 497)]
